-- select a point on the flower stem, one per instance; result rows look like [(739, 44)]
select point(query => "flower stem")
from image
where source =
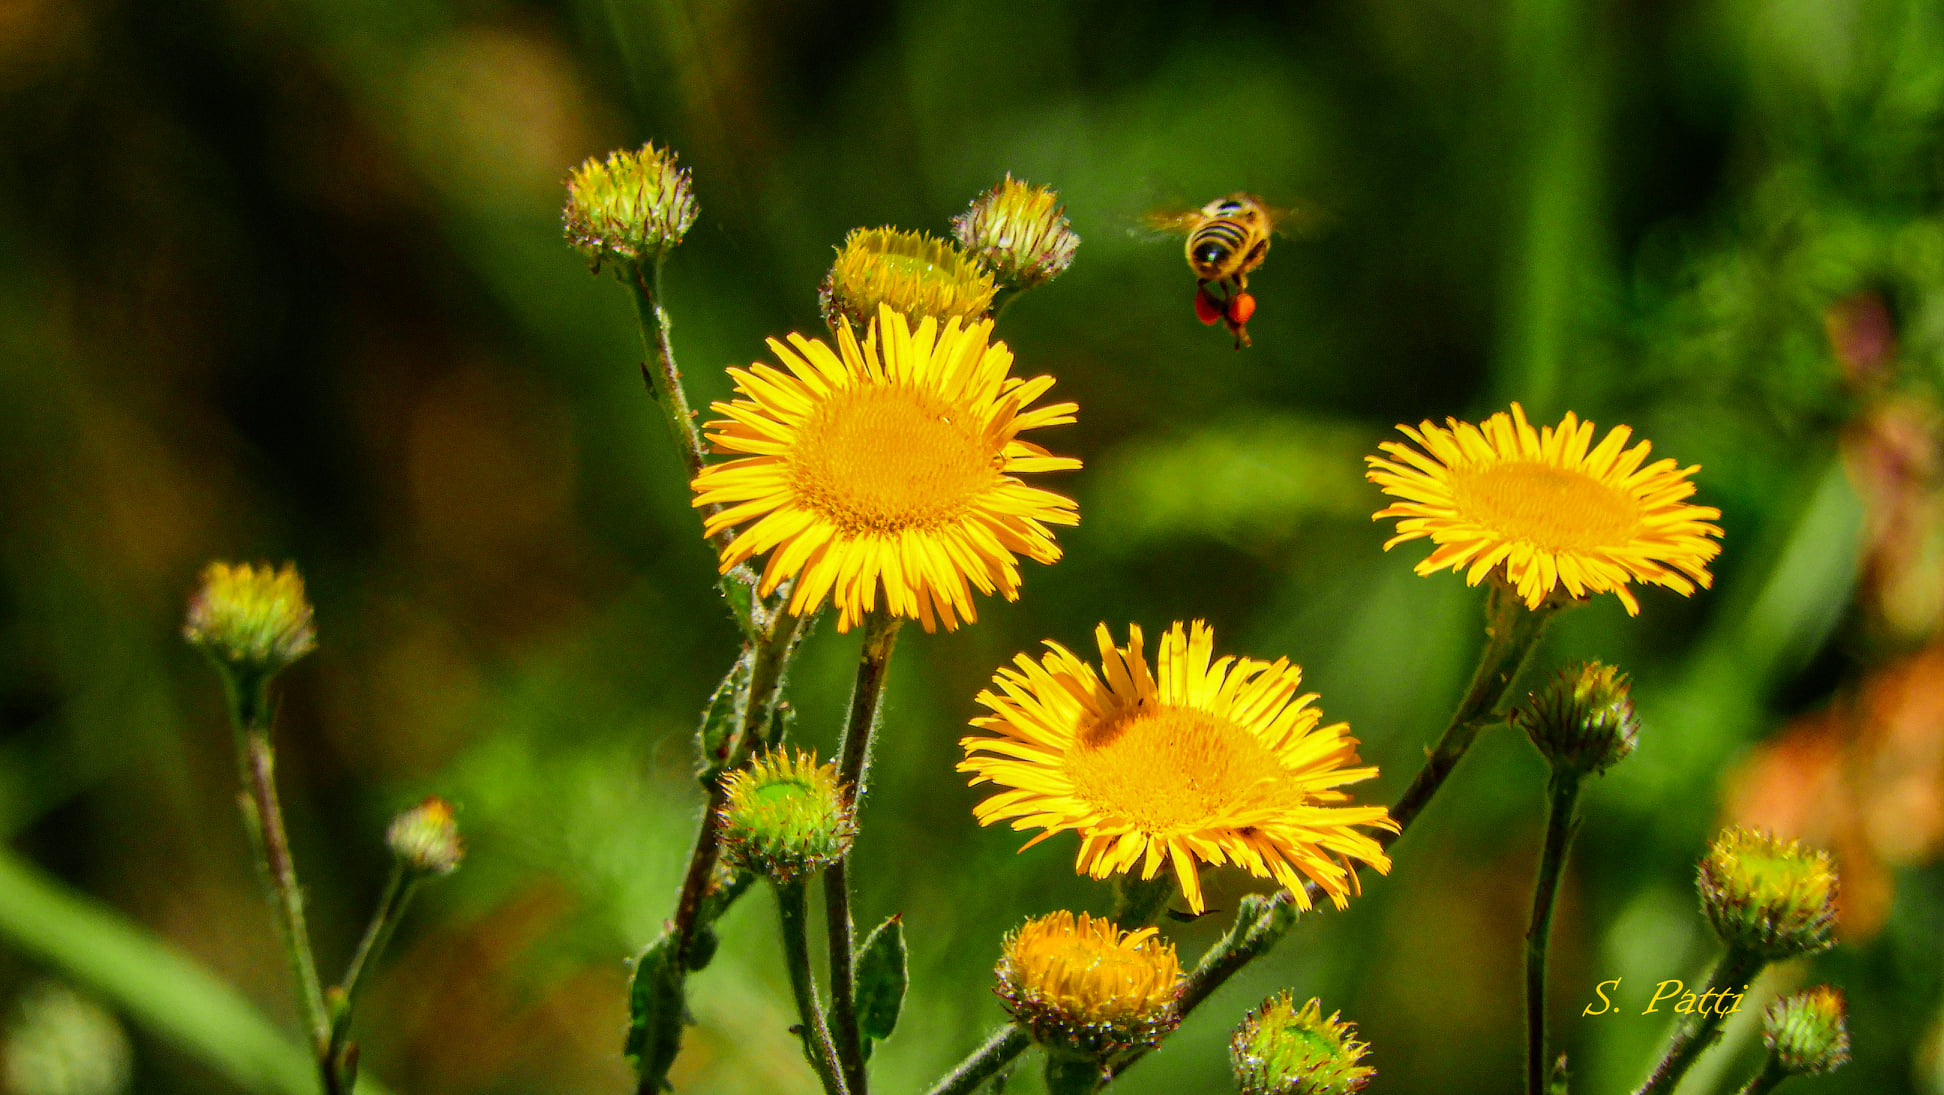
[(1561, 821), (985, 1062), (1072, 1075), (664, 379), (384, 920), (860, 727), (249, 702), (790, 905), (1765, 1081), (1695, 1033)]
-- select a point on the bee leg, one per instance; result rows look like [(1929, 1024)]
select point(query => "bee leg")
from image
[(1241, 333), (1241, 307)]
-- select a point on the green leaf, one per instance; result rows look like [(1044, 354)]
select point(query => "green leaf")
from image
[(738, 589), (716, 735), (880, 976), (656, 1013)]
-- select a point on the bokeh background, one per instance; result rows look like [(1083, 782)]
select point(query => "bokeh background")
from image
[(283, 279)]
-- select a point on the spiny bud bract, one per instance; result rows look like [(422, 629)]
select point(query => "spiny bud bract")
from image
[(1807, 1033), (1584, 720), (629, 206), (425, 838), (1018, 231), (251, 619), (786, 816), (913, 273), (1770, 897), (1281, 1049), (1084, 987)]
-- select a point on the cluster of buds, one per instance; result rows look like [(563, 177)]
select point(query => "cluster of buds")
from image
[(425, 839), (1281, 1049), (1087, 989), (1019, 232), (1806, 1033), (251, 620), (1771, 898), (912, 273), (629, 207), (786, 816), (1584, 721)]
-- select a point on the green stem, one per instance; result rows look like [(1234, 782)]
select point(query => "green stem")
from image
[(1139, 902), (790, 905), (853, 764), (1561, 820), (1511, 632), (1006, 1043), (1767, 1080), (1735, 972), (384, 920), (1072, 1075)]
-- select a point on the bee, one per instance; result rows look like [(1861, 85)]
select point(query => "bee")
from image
[(1227, 239)]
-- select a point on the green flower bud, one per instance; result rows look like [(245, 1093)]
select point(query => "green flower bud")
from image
[(629, 207), (1018, 231), (915, 274), (1085, 988), (1775, 899), (1282, 1050), (251, 619), (1584, 721), (1806, 1033), (786, 817), (425, 838)]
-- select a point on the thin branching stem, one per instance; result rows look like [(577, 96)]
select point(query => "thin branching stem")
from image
[(1006, 1043), (1737, 969), (1561, 821), (791, 906)]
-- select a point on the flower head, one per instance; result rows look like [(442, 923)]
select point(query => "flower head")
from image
[(887, 469), (1807, 1033), (251, 618), (1281, 1049), (1584, 720), (909, 272), (630, 206), (1773, 897), (786, 816), (1203, 760), (1082, 984), (425, 838), (1018, 231), (1548, 506)]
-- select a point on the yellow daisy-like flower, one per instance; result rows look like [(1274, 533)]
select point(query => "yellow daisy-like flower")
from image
[(889, 464), (1083, 984), (1548, 506), (1216, 761)]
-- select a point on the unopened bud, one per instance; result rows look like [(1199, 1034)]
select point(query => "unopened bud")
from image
[(629, 207), (1281, 1049), (1806, 1033), (1086, 988), (1019, 232), (913, 273), (786, 816), (1584, 721), (1769, 897), (425, 838), (251, 619)]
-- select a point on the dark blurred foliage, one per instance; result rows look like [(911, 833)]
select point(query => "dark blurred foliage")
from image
[(283, 279)]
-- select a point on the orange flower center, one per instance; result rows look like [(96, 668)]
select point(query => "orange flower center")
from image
[(1551, 508), (1169, 769), (882, 459)]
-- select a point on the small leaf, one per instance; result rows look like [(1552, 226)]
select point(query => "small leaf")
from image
[(880, 976), (655, 1013), (716, 735), (737, 589)]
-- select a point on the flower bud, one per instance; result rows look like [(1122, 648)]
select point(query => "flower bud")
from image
[(915, 274), (425, 838), (251, 619), (786, 817), (1282, 1050), (629, 207), (1018, 231), (1584, 721), (1084, 987), (1806, 1033), (1775, 899)]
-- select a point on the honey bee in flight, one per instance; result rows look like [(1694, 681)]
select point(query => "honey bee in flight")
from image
[(1227, 239)]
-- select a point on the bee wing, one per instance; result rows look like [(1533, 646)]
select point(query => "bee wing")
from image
[(1300, 219), (1173, 220)]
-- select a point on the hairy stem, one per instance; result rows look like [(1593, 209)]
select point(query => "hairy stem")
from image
[(1561, 820), (1767, 1080), (790, 904), (1695, 1033), (860, 727), (664, 379), (1006, 1043)]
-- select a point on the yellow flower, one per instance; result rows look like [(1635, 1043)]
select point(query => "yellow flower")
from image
[(1200, 762), (910, 272), (1082, 984), (892, 464), (252, 618), (1551, 512)]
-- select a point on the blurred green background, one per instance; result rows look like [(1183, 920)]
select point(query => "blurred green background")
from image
[(283, 279)]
